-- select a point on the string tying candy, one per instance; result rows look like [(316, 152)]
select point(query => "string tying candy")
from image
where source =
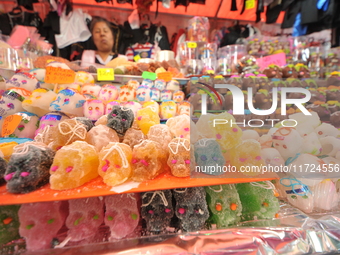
[(115, 146), (24, 148), (303, 191), (177, 145), (264, 185), (73, 130), (160, 194), (217, 191), (181, 190)]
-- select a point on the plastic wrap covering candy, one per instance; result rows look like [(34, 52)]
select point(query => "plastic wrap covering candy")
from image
[(28, 168), (100, 136), (157, 210), (198, 28), (122, 215), (40, 223), (191, 208), (114, 163), (224, 205), (120, 119)]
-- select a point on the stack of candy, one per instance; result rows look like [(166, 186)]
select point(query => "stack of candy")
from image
[(44, 225)]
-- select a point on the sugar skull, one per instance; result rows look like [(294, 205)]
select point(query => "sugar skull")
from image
[(108, 92), (28, 125), (85, 217), (148, 161), (191, 208), (143, 94), (10, 103), (173, 85), (108, 107), (58, 64), (168, 109), (311, 144), (180, 126), (114, 163), (166, 95), (133, 105), (127, 93), (155, 94), (152, 104), (178, 96), (184, 108), (39, 102), (224, 204), (208, 153), (70, 102), (34, 217), (148, 83), (51, 119), (73, 165), (287, 141), (23, 80), (179, 159), (133, 137), (326, 129), (38, 73), (122, 214), (93, 109), (160, 84), (92, 89), (133, 84), (157, 210), (120, 119), (161, 130), (74, 86), (272, 157), (146, 118), (83, 77)]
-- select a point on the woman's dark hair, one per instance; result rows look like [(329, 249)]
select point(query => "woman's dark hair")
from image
[(96, 19)]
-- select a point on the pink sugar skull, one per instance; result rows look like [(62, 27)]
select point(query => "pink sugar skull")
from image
[(126, 93), (23, 80), (166, 95), (93, 109), (70, 102), (10, 103), (92, 89), (148, 83), (184, 108), (155, 94), (178, 96), (133, 105), (110, 104), (133, 84), (160, 84), (51, 119), (108, 92), (143, 94)]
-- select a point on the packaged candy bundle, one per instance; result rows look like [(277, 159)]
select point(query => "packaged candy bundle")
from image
[(198, 29)]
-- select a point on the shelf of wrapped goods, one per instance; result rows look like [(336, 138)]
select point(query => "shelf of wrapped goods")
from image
[(97, 187)]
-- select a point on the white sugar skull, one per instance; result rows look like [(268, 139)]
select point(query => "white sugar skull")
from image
[(326, 129), (133, 105), (38, 73), (70, 102), (166, 95), (157, 210), (272, 157), (83, 77), (311, 144), (108, 92), (10, 103), (28, 125), (39, 102), (122, 214), (92, 89), (191, 208), (143, 94), (133, 84), (287, 141), (160, 84), (85, 217), (74, 86), (93, 109), (148, 83), (173, 85), (178, 96), (126, 93), (155, 94), (110, 104), (23, 80), (51, 119)]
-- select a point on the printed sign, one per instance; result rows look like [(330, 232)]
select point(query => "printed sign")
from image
[(149, 75), (10, 124), (105, 74), (59, 75), (166, 76)]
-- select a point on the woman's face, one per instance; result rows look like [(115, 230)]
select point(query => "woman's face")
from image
[(102, 37)]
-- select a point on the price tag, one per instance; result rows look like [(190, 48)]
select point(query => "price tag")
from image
[(136, 58), (59, 75), (10, 124), (250, 4), (276, 59), (105, 74), (149, 75), (166, 76), (192, 45)]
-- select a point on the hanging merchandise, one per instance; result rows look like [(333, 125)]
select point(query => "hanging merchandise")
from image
[(107, 1), (138, 51)]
